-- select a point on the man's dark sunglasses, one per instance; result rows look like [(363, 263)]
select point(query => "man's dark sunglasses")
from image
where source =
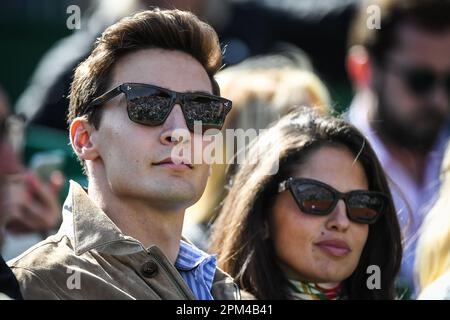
[(318, 198), (422, 80), (151, 105)]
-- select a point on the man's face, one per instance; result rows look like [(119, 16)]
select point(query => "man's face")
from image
[(130, 154), (405, 116)]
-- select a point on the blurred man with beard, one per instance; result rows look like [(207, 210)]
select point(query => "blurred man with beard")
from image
[(401, 73)]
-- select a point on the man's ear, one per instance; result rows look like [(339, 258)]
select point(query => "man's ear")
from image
[(80, 138), (359, 67)]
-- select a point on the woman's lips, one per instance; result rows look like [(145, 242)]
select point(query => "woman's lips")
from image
[(336, 248)]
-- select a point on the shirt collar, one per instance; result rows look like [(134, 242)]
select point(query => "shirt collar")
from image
[(193, 262), (190, 257), (89, 227)]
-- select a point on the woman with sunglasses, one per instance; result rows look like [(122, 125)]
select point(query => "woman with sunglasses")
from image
[(319, 226)]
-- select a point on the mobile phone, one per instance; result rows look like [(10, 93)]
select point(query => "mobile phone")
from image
[(44, 163)]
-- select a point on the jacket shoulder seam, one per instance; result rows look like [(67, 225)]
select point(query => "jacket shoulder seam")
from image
[(15, 261), (32, 272)]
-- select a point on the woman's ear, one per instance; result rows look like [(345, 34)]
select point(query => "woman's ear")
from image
[(80, 138), (359, 67)]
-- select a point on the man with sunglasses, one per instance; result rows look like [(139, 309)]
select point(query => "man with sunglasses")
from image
[(143, 91), (401, 73)]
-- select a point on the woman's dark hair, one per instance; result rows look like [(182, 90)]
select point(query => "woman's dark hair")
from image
[(239, 232)]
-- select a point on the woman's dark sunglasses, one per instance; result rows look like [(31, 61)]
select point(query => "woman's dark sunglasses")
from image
[(151, 105), (317, 198)]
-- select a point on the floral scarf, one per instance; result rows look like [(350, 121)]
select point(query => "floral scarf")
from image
[(315, 291)]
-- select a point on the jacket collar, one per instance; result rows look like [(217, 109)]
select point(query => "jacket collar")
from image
[(89, 227)]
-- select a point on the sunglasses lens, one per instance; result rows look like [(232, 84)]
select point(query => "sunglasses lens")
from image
[(314, 199), (364, 207), (148, 106), (207, 110), (151, 106), (318, 199), (420, 81)]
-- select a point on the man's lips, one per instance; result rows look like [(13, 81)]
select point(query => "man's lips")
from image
[(173, 163), (334, 247)]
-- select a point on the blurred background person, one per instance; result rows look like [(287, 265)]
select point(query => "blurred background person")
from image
[(433, 248), (401, 74), (29, 205), (263, 89), (293, 234), (9, 164)]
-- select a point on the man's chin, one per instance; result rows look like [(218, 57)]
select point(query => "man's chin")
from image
[(175, 200), (416, 143), (424, 139), (412, 137)]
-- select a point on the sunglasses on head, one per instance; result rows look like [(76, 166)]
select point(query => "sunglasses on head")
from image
[(421, 80), (151, 105), (317, 198)]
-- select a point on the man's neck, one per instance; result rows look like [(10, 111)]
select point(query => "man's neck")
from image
[(139, 220)]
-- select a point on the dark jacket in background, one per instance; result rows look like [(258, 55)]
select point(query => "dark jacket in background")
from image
[(8, 282)]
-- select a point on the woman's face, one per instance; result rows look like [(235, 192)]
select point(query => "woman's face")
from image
[(320, 248)]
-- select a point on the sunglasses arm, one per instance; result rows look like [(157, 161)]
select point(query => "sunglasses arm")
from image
[(107, 96)]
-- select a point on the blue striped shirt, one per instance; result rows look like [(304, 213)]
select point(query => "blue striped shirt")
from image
[(197, 268)]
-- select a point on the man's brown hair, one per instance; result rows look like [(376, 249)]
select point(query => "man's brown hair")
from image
[(430, 15), (163, 29)]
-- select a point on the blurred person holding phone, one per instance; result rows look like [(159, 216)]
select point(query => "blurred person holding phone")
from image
[(30, 205), (9, 164)]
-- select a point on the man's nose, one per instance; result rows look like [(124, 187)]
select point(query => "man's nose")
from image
[(175, 128)]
